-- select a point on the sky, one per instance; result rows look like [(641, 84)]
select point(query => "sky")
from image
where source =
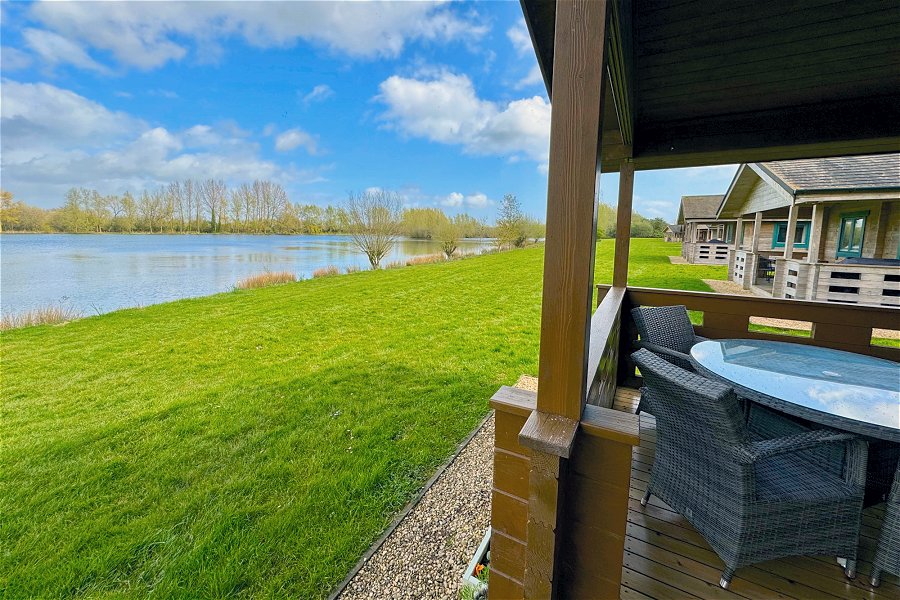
[(441, 102)]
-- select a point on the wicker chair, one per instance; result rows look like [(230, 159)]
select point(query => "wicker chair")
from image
[(752, 500), (666, 331), (887, 556)]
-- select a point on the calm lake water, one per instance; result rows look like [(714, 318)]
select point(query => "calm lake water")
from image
[(100, 273)]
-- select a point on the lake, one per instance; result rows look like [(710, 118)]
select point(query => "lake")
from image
[(101, 273)]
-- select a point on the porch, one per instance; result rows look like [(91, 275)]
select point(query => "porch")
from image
[(662, 555), (640, 85)]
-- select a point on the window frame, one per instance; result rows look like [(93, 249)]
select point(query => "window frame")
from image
[(807, 228), (864, 215)]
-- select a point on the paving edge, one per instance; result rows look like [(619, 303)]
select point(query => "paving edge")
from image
[(407, 509)]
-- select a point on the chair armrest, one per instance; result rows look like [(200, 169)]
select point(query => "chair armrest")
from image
[(795, 443), (699, 338), (664, 352)]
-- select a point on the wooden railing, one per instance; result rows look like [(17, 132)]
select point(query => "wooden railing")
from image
[(838, 326), (603, 351)]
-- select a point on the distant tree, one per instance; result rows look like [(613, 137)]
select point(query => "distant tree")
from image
[(9, 211), (534, 229), (374, 219), (510, 222), (214, 197), (98, 210), (129, 212), (447, 235), (422, 223)]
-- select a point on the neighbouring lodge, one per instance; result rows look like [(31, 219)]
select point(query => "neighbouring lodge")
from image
[(705, 236), (844, 213)]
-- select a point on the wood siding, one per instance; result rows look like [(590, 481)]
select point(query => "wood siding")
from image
[(762, 197), (870, 237), (892, 235)]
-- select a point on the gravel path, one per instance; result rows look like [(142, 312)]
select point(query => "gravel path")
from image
[(426, 554), (424, 557)]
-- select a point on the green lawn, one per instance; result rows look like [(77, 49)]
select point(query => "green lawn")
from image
[(255, 443)]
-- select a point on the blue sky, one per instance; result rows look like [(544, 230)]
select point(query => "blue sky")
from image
[(441, 102)]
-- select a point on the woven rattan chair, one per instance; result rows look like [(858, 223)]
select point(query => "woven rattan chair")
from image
[(752, 500), (887, 556), (666, 331)]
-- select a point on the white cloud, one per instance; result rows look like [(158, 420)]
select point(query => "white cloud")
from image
[(13, 59), (56, 50), (294, 138), (54, 139), (656, 208), (534, 77), (149, 34), (456, 200), (127, 95), (319, 93), (521, 41), (445, 108)]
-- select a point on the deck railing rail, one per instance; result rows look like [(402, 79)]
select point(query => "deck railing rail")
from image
[(839, 326)]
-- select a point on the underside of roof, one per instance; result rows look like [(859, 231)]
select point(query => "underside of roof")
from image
[(694, 82)]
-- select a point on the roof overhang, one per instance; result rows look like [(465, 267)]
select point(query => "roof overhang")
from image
[(708, 82)]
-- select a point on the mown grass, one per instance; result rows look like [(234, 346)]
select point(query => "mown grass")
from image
[(254, 443)]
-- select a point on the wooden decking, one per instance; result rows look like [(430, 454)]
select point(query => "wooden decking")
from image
[(666, 558)]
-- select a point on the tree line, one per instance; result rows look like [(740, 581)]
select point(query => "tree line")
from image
[(260, 207), (190, 206)]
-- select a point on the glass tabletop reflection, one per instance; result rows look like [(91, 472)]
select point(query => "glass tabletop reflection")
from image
[(845, 385)]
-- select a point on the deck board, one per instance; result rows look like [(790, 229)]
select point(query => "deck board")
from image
[(666, 558)]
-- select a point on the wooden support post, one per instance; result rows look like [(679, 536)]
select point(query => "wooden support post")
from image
[(815, 236), (623, 223), (757, 227), (579, 81), (791, 228), (579, 63)]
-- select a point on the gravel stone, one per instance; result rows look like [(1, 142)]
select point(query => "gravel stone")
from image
[(426, 554)]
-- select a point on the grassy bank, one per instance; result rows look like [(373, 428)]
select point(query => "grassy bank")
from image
[(256, 442)]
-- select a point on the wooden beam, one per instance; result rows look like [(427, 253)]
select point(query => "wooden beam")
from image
[(578, 88), (789, 235), (623, 223)]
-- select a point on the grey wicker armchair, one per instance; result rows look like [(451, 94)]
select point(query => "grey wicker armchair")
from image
[(752, 500), (666, 331), (887, 556)]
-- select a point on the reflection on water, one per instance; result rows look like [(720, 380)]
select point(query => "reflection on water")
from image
[(100, 273)]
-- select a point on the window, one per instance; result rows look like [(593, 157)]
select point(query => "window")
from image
[(851, 234), (801, 234), (729, 233)]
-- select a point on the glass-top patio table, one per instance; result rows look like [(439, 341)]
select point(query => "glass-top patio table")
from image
[(846, 391)]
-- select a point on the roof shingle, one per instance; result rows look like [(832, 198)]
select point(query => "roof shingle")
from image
[(700, 207), (845, 173)]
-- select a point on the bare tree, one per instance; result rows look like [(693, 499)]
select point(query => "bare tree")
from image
[(447, 235), (375, 217), (214, 196)]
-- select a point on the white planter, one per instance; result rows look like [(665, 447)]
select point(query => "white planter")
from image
[(469, 578)]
